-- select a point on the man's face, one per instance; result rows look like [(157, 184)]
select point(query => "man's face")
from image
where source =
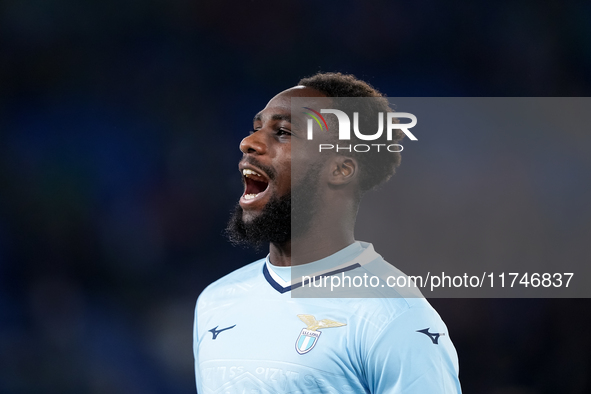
[(267, 152), (265, 206)]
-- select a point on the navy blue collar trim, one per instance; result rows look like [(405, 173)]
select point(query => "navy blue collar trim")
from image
[(282, 289)]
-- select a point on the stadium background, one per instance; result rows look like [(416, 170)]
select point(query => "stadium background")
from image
[(119, 131)]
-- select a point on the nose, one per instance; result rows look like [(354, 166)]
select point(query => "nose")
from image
[(253, 144)]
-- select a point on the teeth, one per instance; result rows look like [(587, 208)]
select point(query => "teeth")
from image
[(247, 172), (250, 196)]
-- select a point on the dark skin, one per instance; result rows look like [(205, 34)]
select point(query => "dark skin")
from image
[(272, 145)]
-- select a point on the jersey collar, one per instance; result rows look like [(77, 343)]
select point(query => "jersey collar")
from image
[(326, 267)]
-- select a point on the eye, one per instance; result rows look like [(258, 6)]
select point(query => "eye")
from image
[(251, 132), (283, 132)]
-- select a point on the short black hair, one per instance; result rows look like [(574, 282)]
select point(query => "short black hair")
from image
[(375, 169)]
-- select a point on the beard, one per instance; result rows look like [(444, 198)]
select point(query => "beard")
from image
[(280, 220)]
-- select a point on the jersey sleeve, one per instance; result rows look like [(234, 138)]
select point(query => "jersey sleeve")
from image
[(413, 354)]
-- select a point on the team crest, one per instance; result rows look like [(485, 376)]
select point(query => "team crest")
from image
[(309, 335)]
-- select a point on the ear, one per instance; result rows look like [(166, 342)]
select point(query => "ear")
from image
[(343, 170)]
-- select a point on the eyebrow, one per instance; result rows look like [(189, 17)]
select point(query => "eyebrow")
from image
[(285, 117)]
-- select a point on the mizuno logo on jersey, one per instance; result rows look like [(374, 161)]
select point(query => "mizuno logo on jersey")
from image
[(433, 335), (216, 332), (309, 335)]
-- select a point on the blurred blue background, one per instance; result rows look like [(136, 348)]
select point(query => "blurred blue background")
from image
[(119, 131)]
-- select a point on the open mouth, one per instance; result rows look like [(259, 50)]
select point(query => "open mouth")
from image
[(255, 184)]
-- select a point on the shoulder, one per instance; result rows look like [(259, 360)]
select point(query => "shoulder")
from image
[(392, 298), (235, 282), (382, 316), (400, 298)]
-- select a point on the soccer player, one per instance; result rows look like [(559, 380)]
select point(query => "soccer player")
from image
[(252, 335)]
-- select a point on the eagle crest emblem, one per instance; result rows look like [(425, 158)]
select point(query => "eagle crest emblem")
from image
[(309, 336)]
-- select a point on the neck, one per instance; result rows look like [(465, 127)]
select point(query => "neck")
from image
[(319, 242), (281, 256)]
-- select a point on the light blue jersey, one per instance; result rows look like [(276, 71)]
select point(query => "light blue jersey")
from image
[(252, 336)]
